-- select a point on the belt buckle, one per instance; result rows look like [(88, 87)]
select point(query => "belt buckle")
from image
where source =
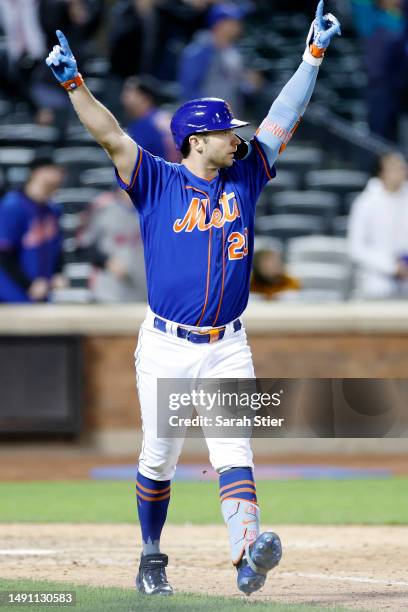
[(213, 334), (200, 334)]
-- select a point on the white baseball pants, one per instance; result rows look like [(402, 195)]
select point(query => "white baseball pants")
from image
[(164, 355)]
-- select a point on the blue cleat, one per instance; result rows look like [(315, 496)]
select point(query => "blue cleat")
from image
[(261, 556)]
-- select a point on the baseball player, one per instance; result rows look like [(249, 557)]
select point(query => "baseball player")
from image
[(197, 224)]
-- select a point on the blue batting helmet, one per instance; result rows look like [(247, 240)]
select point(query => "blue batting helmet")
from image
[(202, 115)]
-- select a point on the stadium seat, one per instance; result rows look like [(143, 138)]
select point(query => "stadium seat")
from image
[(285, 179), (290, 24), (348, 85), (77, 159), (82, 156), (341, 181), (96, 85), (16, 176), (96, 67), (69, 247), (77, 135), (28, 135), (322, 277), (289, 226), (5, 108), (325, 205), (78, 273), (70, 222), (318, 249), (74, 200), (300, 158), (340, 225), (16, 156), (268, 243), (348, 201), (71, 295), (312, 296), (100, 178)]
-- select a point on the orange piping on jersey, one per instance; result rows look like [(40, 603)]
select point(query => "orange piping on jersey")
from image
[(238, 482), (138, 167), (154, 499), (209, 258), (208, 278), (268, 174), (140, 155), (146, 490), (199, 191), (223, 278)]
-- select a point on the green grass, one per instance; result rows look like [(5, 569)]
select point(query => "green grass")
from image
[(373, 502), (92, 599)]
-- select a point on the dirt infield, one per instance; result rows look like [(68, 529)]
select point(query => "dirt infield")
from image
[(356, 567)]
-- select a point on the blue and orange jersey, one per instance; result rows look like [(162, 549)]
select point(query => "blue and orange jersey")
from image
[(198, 235), (31, 231)]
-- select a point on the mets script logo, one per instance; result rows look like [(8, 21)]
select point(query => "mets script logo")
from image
[(196, 214)]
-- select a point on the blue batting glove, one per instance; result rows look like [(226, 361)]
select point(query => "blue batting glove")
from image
[(325, 27), (322, 30), (61, 60)]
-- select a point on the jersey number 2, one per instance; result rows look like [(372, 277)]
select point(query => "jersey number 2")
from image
[(238, 249)]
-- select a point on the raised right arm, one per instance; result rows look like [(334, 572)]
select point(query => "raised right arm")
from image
[(287, 110), (97, 119)]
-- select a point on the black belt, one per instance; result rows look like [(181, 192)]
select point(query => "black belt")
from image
[(205, 337)]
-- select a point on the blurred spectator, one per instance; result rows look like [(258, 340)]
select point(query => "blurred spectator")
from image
[(149, 125), (147, 35), (25, 46), (212, 66), (378, 232), (78, 19), (269, 279), (30, 238), (383, 25), (111, 241)]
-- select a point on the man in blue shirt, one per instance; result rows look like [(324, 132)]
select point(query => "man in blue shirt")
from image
[(149, 125), (30, 238), (212, 65)]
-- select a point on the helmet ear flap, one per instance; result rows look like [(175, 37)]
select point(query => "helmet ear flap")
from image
[(243, 149)]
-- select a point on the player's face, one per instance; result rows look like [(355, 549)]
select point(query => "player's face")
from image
[(219, 148)]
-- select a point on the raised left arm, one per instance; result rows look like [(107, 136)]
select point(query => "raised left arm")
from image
[(286, 112)]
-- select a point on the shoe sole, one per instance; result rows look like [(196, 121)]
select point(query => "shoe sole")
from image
[(266, 551)]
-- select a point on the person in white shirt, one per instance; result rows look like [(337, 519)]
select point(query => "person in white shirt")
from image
[(378, 232)]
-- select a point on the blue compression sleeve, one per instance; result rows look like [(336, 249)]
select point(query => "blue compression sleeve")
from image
[(277, 128)]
